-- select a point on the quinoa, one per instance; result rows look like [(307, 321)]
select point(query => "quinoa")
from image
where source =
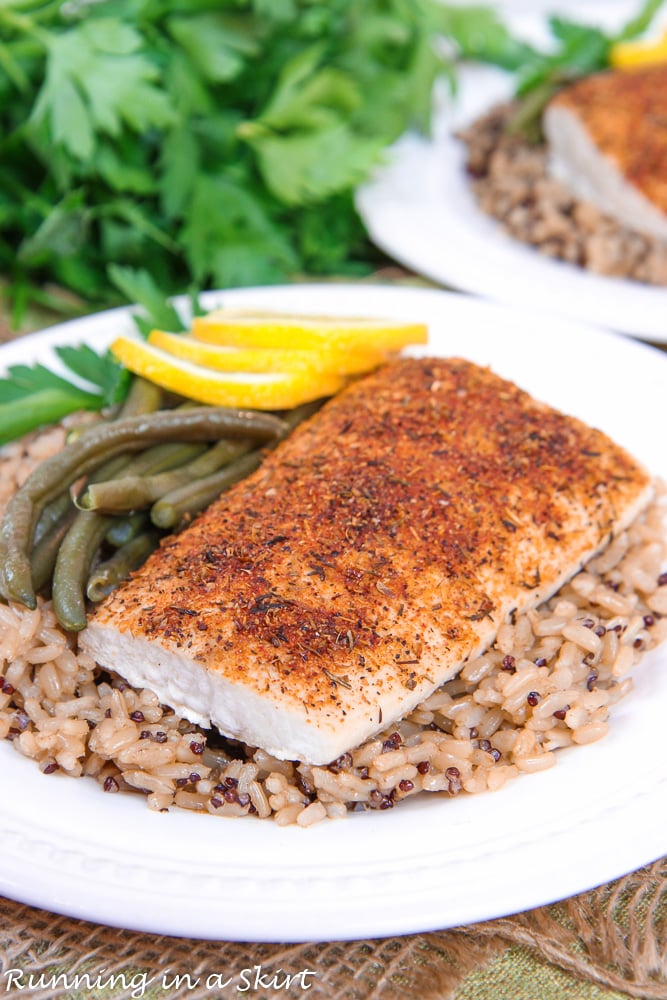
[(548, 682), (511, 182)]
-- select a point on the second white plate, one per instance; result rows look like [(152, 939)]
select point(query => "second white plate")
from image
[(420, 210)]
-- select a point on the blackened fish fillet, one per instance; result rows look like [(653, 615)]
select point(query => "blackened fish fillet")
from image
[(375, 551)]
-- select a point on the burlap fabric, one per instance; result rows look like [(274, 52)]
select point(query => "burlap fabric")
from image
[(608, 944)]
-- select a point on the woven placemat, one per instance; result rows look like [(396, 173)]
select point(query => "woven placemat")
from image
[(611, 943)]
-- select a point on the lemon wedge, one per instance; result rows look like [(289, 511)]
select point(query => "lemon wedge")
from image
[(633, 55), (256, 390), (262, 359), (242, 328)]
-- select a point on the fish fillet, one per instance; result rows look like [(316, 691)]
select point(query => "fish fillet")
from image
[(607, 137), (375, 551)]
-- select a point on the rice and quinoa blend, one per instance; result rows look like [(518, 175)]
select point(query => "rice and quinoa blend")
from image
[(510, 181), (548, 682)]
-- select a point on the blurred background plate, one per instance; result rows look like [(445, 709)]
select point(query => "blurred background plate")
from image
[(419, 208)]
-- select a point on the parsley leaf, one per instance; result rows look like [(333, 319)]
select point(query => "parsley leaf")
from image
[(211, 41), (307, 150), (138, 286), (23, 380), (479, 33), (300, 169), (100, 370), (46, 406), (32, 396), (97, 81), (231, 237)]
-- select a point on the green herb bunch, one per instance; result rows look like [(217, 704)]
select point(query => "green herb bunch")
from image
[(208, 142)]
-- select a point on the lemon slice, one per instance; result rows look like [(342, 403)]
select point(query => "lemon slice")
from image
[(633, 55), (262, 359), (240, 328), (259, 391)]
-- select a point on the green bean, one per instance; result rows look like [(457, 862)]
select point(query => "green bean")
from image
[(45, 552), (47, 540), (58, 515), (52, 514), (95, 445), (117, 495), (142, 397), (132, 492), (300, 413), (109, 468), (45, 543), (75, 556), (123, 529), (189, 500), (110, 573), (56, 519), (161, 457)]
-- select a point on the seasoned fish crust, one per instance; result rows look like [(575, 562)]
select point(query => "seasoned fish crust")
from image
[(625, 116), (374, 552)]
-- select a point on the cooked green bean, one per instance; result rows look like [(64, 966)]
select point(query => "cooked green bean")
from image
[(72, 568), (117, 495), (45, 552), (133, 492), (57, 516), (124, 528), (61, 511), (52, 514), (189, 500), (96, 445), (108, 574), (109, 468), (143, 397), (47, 540), (300, 413), (161, 457), (192, 497)]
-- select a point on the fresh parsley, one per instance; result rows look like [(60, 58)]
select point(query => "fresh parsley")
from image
[(478, 33), (32, 396), (156, 312), (209, 143)]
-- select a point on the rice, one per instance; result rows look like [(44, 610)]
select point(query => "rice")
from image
[(510, 181), (548, 682)]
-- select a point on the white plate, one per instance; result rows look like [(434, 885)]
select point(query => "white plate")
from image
[(420, 210), (433, 863)]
